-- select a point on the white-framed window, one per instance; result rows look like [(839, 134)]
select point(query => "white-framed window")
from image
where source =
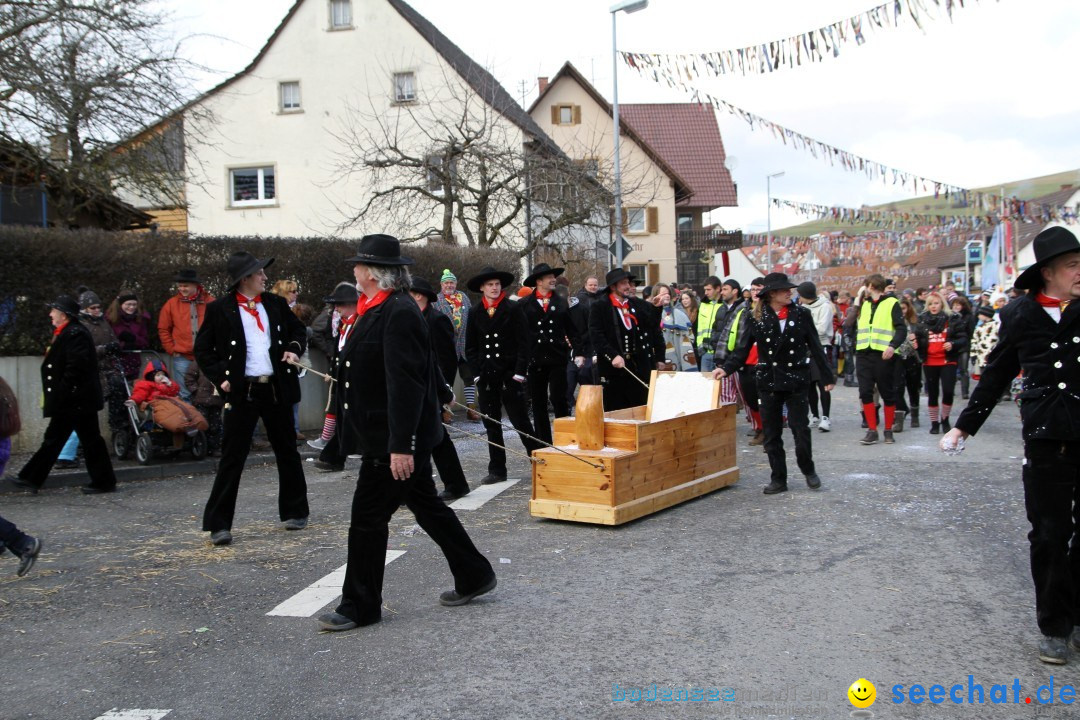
[(340, 14), (404, 87), (635, 220), (252, 186), (290, 96), (566, 115), (435, 180)]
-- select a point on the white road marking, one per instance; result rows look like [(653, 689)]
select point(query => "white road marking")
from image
[(475, 499), (320, 593), (118, 714)]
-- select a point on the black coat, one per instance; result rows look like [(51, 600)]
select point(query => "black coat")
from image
[(441, 333), (386, 389), (549, 331), (497, 347), (784, 357), (580, 306), (221, 351), (957, 334), (70, 381), (609, 337), (1049, 355)]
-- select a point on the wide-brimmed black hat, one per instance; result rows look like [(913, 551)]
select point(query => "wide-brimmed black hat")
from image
[(344, 294), (187, 275), (1048, 244), (241, 264), (423, 287), (379, 250), (540, 271), (776, 281), (65, 304), (489, 273), (616, 275)]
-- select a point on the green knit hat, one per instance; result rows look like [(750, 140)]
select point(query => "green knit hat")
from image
[(447, 275)]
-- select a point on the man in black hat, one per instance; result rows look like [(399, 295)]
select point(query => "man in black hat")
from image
[(340, 314), (497, 349), (1040, 337), (626, 338), (443, 344), (72, 397), (787, 342), (580, 305), (388, 395), (245, 346), (552, 339), (179, 322)]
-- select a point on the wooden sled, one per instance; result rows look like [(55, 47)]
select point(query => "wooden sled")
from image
[(678, 447)]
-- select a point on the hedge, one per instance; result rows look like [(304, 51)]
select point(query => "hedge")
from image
[(38, 264)]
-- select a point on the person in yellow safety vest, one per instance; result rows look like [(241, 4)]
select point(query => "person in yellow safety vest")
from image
[(880, 331), (703, 333), (724, 332)]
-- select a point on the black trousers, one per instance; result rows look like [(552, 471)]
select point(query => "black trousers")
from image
[(907, 375), (12, 538), (748, 383), (257, 402), (1052, 499), (60, 427), (584, 375), (772, 417), (943, 377), (872, 371), (621, 390), (332, 452), (376, 498), (543, 381), (446, 460), (496, 393)]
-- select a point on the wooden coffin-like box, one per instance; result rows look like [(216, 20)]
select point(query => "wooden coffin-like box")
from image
[(643, 466)]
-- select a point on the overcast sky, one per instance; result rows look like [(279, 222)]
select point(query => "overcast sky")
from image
[(985, 99)]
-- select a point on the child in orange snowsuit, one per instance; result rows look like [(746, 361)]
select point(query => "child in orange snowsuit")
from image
[(155, 383)]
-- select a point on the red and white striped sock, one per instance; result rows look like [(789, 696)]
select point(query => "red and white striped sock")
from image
[(328, 426), (945, 410), (935, 415)]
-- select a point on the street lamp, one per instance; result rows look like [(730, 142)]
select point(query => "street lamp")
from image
[(626, 6), (768, 219)]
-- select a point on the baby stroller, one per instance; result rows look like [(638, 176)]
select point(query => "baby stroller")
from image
[(150, 439)]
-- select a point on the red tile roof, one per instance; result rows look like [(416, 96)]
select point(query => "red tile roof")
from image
[(687, 137)]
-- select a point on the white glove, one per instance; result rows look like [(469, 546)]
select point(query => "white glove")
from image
[(579, 361), (519, 378)]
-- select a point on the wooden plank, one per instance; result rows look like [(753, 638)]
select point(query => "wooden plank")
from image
[(573, 511), (589, 426), (647, 480), (652, 395), (635, 413), (673, 496)]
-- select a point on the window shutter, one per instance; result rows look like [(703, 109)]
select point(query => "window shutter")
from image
[(554, 114), (625, 227), (577, 114), (652, 219)]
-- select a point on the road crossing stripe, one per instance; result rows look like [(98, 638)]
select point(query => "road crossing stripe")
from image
[(482, 494), (320, 593), (118, 714)]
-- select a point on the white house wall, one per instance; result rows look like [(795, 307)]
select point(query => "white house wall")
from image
[(337, 70)]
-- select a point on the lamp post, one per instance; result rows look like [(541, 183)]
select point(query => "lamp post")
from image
[(627, 6), (768, 219)]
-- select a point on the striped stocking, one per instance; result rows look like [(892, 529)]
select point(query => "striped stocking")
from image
[(945, 410), (328, 426), (470, 395), (935, 414)]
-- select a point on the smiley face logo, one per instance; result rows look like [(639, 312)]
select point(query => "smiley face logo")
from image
[(862, 693)]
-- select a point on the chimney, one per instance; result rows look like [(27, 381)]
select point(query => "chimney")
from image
[(543, 83)]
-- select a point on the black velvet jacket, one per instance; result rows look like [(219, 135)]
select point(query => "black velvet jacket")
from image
[(549, 331), (1048, 352), (70, 381), (784, 356), (497, 346)]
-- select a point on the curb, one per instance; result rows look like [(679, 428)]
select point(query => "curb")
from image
[(128, 473)]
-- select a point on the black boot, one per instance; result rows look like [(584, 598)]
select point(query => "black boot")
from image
[(945, 426), (935, 427), (870, 438), (914, 417), (775, 487)]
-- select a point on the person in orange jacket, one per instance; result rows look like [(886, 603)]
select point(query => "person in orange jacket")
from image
[(180, 319)]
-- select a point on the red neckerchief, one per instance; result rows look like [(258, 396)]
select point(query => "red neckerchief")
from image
[(364, 304), (490, 305), (248, 305), (60, 329), (1047, 301), (542, 299), (345, 323), (782, 313), (623, 306)]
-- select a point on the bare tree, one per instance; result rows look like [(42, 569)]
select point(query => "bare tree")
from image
[(87, 82), (448, 165)]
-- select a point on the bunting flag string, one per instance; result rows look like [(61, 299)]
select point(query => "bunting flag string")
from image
[(1012, 209), (808, 47)]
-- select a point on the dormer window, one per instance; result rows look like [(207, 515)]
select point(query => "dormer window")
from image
[(404, 87), (340, 14)]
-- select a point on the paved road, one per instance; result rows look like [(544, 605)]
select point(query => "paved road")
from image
[(908, 567)]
